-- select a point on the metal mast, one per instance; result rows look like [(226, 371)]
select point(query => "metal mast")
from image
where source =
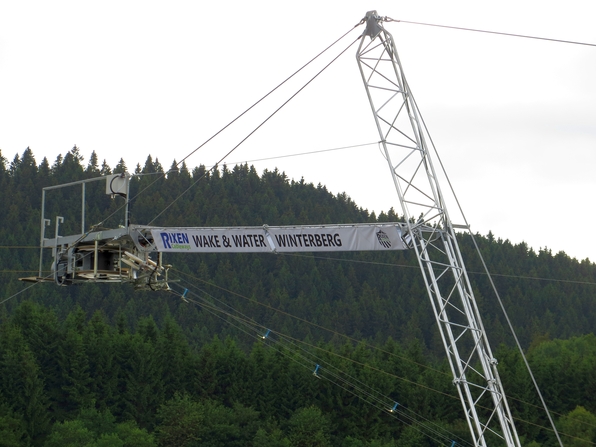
[(431, 234)]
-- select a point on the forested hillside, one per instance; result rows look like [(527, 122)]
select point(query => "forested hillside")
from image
[(105, 365)]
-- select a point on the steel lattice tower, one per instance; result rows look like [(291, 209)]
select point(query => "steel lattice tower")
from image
[(431, 234)]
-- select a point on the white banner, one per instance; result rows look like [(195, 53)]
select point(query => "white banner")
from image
[(364, 237)]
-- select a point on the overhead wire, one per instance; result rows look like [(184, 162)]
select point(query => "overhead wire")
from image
[(257, 128), (360, 261), (240, 116), (162, 175), (340, 379), (18, 293), (243, 319), (495, 32), (366, 366), (336, 333), (371, 393), (296, 341), (363, 388), (347, 337), (303, 320), (303, 153), (503, 275), (268, 94)]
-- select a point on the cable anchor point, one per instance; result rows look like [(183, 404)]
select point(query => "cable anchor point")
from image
[(315, 372), (183, 296)]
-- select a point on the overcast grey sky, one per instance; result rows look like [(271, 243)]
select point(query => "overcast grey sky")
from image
[(514, 120)]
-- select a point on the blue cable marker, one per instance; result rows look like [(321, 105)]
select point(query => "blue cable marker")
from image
[(266, 334), (392, 410), (314, 373), (184, 296), (452, 443)]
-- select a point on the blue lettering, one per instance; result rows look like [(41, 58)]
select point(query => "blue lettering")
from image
[(166, 240)]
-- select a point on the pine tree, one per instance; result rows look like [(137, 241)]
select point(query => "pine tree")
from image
[(175, 359), (21, 383), (93, 165), (76, 377), (142, 387), (70, 434), (71, 168), (3, 162), (41, 330), (309, 428), (100, 347), (13, 431), (105, 168), (120, 167), (578, 428), (180, 422)]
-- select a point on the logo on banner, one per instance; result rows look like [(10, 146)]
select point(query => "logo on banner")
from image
[(384, 239), (175, 241)]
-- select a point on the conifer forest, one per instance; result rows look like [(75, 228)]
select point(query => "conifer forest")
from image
[(268, 349)]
